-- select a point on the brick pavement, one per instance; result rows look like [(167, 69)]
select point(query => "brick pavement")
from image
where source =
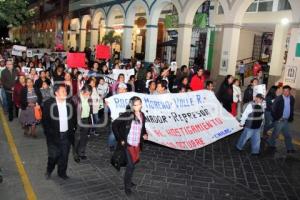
[(214, 172)]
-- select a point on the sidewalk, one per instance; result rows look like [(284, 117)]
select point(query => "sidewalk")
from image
[(215, 172)]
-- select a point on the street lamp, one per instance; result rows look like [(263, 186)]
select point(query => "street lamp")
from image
[(285, 21)]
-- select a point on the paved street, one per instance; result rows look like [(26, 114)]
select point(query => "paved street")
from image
[(214, 172)]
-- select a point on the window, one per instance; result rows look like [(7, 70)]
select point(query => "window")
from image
[(265, 6), (261, 6), (220, 9), (284, 5)]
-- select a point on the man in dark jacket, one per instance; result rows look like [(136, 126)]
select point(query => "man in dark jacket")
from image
[(283, 113), (59, 121), (248, 94), (8, 79)]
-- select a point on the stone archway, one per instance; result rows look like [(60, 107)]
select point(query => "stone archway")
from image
[(97, 28), (85, 20)]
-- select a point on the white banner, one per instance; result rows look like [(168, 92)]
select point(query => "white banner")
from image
[(184, 121), (17, 50), (126, 72)]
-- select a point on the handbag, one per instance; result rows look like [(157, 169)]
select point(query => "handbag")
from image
[(37, 113), (134, 153), (118, 158)]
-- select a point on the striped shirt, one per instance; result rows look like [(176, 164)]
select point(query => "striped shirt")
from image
[(134, 135)]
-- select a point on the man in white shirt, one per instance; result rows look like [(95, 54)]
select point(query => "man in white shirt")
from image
[(59, 122)]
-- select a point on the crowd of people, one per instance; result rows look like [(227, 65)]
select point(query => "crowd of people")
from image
[(69, 103)]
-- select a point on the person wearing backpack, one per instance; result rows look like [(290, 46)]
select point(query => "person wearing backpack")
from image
[(252, 120)]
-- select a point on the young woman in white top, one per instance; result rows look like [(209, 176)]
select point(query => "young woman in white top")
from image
[(97, 103), (237, 98)]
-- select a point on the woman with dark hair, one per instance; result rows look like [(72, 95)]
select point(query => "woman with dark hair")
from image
[(114, 87), (19, 85), (30, 97), (273, 92), (184, 83), (130, 133), (225, 93), (58, 74)]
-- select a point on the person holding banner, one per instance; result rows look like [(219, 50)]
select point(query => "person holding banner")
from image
[(252, 120), (130, 133)]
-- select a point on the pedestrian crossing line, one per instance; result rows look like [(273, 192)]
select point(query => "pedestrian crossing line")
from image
[(30, 194)]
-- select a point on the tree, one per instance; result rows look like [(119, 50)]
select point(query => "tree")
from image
[(14, 12), (111, 38)]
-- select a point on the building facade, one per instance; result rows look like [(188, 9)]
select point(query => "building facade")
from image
[(235, 30)]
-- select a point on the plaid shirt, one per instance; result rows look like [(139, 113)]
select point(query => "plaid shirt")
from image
[(134, 135)]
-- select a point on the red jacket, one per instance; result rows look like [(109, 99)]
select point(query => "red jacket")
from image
[(17, 94), (197, 83)]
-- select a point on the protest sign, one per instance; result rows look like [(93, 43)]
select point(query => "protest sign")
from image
[(184, 121), (17, 50), (29, 53), (102, 52), (76, 60), (109, 79), (259, 89), (127, 73), (173, 66)]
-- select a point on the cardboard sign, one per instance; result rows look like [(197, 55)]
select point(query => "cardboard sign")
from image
[(17, 50), (76, 60), (102, 52), (127, 73)]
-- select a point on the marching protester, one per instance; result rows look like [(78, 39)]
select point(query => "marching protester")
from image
[(225, 93), (283, 114), (273, 92), (209, 85), (30, 101), (252, 120), (84, 105), (152, 88), (198, 80), (18, 88), (237, 98), (248, 94), (162, 87), (242, 70), (97, 104), (59, 122), (130, 133), (102, 88), (8, 77)]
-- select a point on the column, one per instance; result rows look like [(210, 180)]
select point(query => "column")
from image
[(65, 40), (82, 39), (184, 44), (151, 43), (73, 42), (230, 46), (278, 49), (126, 42), (94, 37)]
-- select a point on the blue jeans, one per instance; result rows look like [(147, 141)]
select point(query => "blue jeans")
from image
[(269, 124), (281, 126), (3, 99), (112, 142), (254, 134)]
